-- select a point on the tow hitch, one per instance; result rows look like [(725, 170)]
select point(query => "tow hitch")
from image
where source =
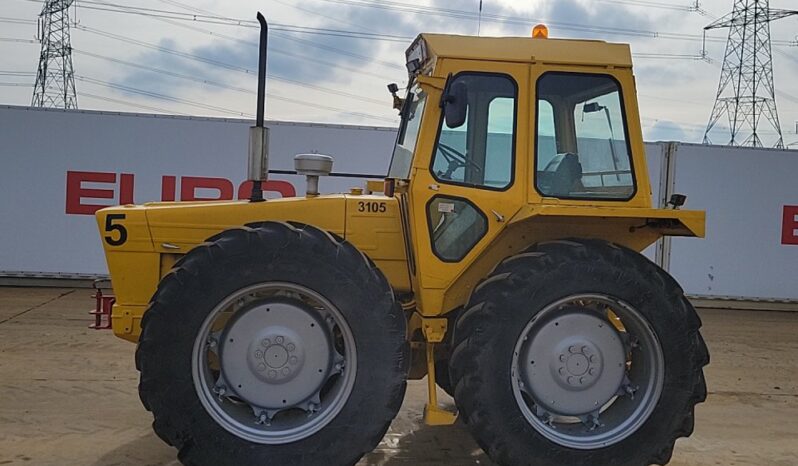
[(102, 307)]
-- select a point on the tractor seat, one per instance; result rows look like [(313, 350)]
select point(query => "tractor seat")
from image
[(561, 175)]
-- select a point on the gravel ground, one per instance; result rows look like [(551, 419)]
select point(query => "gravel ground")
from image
[(68, 394)]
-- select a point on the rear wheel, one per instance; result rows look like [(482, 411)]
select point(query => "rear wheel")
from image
[(581, 353), (268, 345)]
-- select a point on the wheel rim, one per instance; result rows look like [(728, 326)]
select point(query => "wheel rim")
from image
[(274, 363), (587, 371)]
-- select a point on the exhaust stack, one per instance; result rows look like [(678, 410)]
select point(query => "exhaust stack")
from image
[(258, 167)]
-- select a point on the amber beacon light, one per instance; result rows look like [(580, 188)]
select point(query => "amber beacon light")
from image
[(540, 32)]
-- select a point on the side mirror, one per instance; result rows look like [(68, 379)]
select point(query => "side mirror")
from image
[(455, 104)]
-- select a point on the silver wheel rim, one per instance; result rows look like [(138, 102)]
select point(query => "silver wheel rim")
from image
[(587, 371), (274, 363)]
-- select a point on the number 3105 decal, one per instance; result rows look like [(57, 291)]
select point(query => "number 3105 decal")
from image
[(371, 207), (117, 233)]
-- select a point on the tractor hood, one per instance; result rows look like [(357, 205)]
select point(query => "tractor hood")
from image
[(176, 227)]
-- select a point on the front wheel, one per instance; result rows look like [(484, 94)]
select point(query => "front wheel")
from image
[(273, 344), (578, 352)]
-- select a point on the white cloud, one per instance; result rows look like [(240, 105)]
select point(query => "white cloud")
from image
[(677, 91)]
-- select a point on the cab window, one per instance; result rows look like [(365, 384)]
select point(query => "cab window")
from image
[(407, 138), (582, 146), (479, 152)]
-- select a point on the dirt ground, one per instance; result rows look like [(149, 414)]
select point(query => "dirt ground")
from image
[(68, 394)]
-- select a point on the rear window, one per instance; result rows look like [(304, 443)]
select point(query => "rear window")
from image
[(582, 149)]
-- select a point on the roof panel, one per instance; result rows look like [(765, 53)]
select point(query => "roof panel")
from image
[(523, 49)]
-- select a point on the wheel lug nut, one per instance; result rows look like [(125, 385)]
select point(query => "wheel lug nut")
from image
[(272, 373), (286, 371), (266, 342), (592, 371), (291, 347), (562, 358), (293, 360), (261, 367), (572, 349), (279, 340), (258, 354)]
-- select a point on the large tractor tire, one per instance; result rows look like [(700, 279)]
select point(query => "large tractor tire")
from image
[(273, 344), (578, 352)]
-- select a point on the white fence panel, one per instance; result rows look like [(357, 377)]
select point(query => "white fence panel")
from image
[(750, 197), (58, 166)]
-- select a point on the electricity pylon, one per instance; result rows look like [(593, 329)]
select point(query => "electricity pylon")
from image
[(55, 79), (746, 92)]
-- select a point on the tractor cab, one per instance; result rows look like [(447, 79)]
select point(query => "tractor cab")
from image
[(503, 139), (486, 118)]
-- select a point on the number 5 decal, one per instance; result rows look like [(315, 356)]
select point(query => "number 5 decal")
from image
[(111, 227)]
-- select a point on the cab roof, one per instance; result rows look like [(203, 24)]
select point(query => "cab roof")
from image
[(528, 50)]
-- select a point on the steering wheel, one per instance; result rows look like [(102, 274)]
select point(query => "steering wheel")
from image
[(456, 159)]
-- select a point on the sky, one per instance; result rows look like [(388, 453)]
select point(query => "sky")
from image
[(210, 69)]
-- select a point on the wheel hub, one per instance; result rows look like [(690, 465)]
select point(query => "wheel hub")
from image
[(579, 366), (276, 358), (276, 355), (575, 363)]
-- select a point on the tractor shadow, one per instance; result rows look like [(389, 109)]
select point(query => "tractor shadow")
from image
[(410, 442), (147, 450)]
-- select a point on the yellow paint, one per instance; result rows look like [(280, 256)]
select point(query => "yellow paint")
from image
[(528, 50), (159, 233), (434, 415), (378, 234)]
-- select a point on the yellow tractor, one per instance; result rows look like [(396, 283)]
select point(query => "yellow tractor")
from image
[(500, 258)]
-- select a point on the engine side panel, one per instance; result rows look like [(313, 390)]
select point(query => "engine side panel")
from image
[(156, 235)]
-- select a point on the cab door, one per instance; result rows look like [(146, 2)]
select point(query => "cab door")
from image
[(468, 178)]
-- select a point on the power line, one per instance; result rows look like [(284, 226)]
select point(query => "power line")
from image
[(227, 86), (640, 55), (159, 96), (4, 19), (131, 104), (397, 6), (669, 56), (287, 37), (13, 39), (231, 67), (641, 3), (308, 10), (221, 21), (170, 98), (235, 39), (16, 73), (209, 61), (425, 10)]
